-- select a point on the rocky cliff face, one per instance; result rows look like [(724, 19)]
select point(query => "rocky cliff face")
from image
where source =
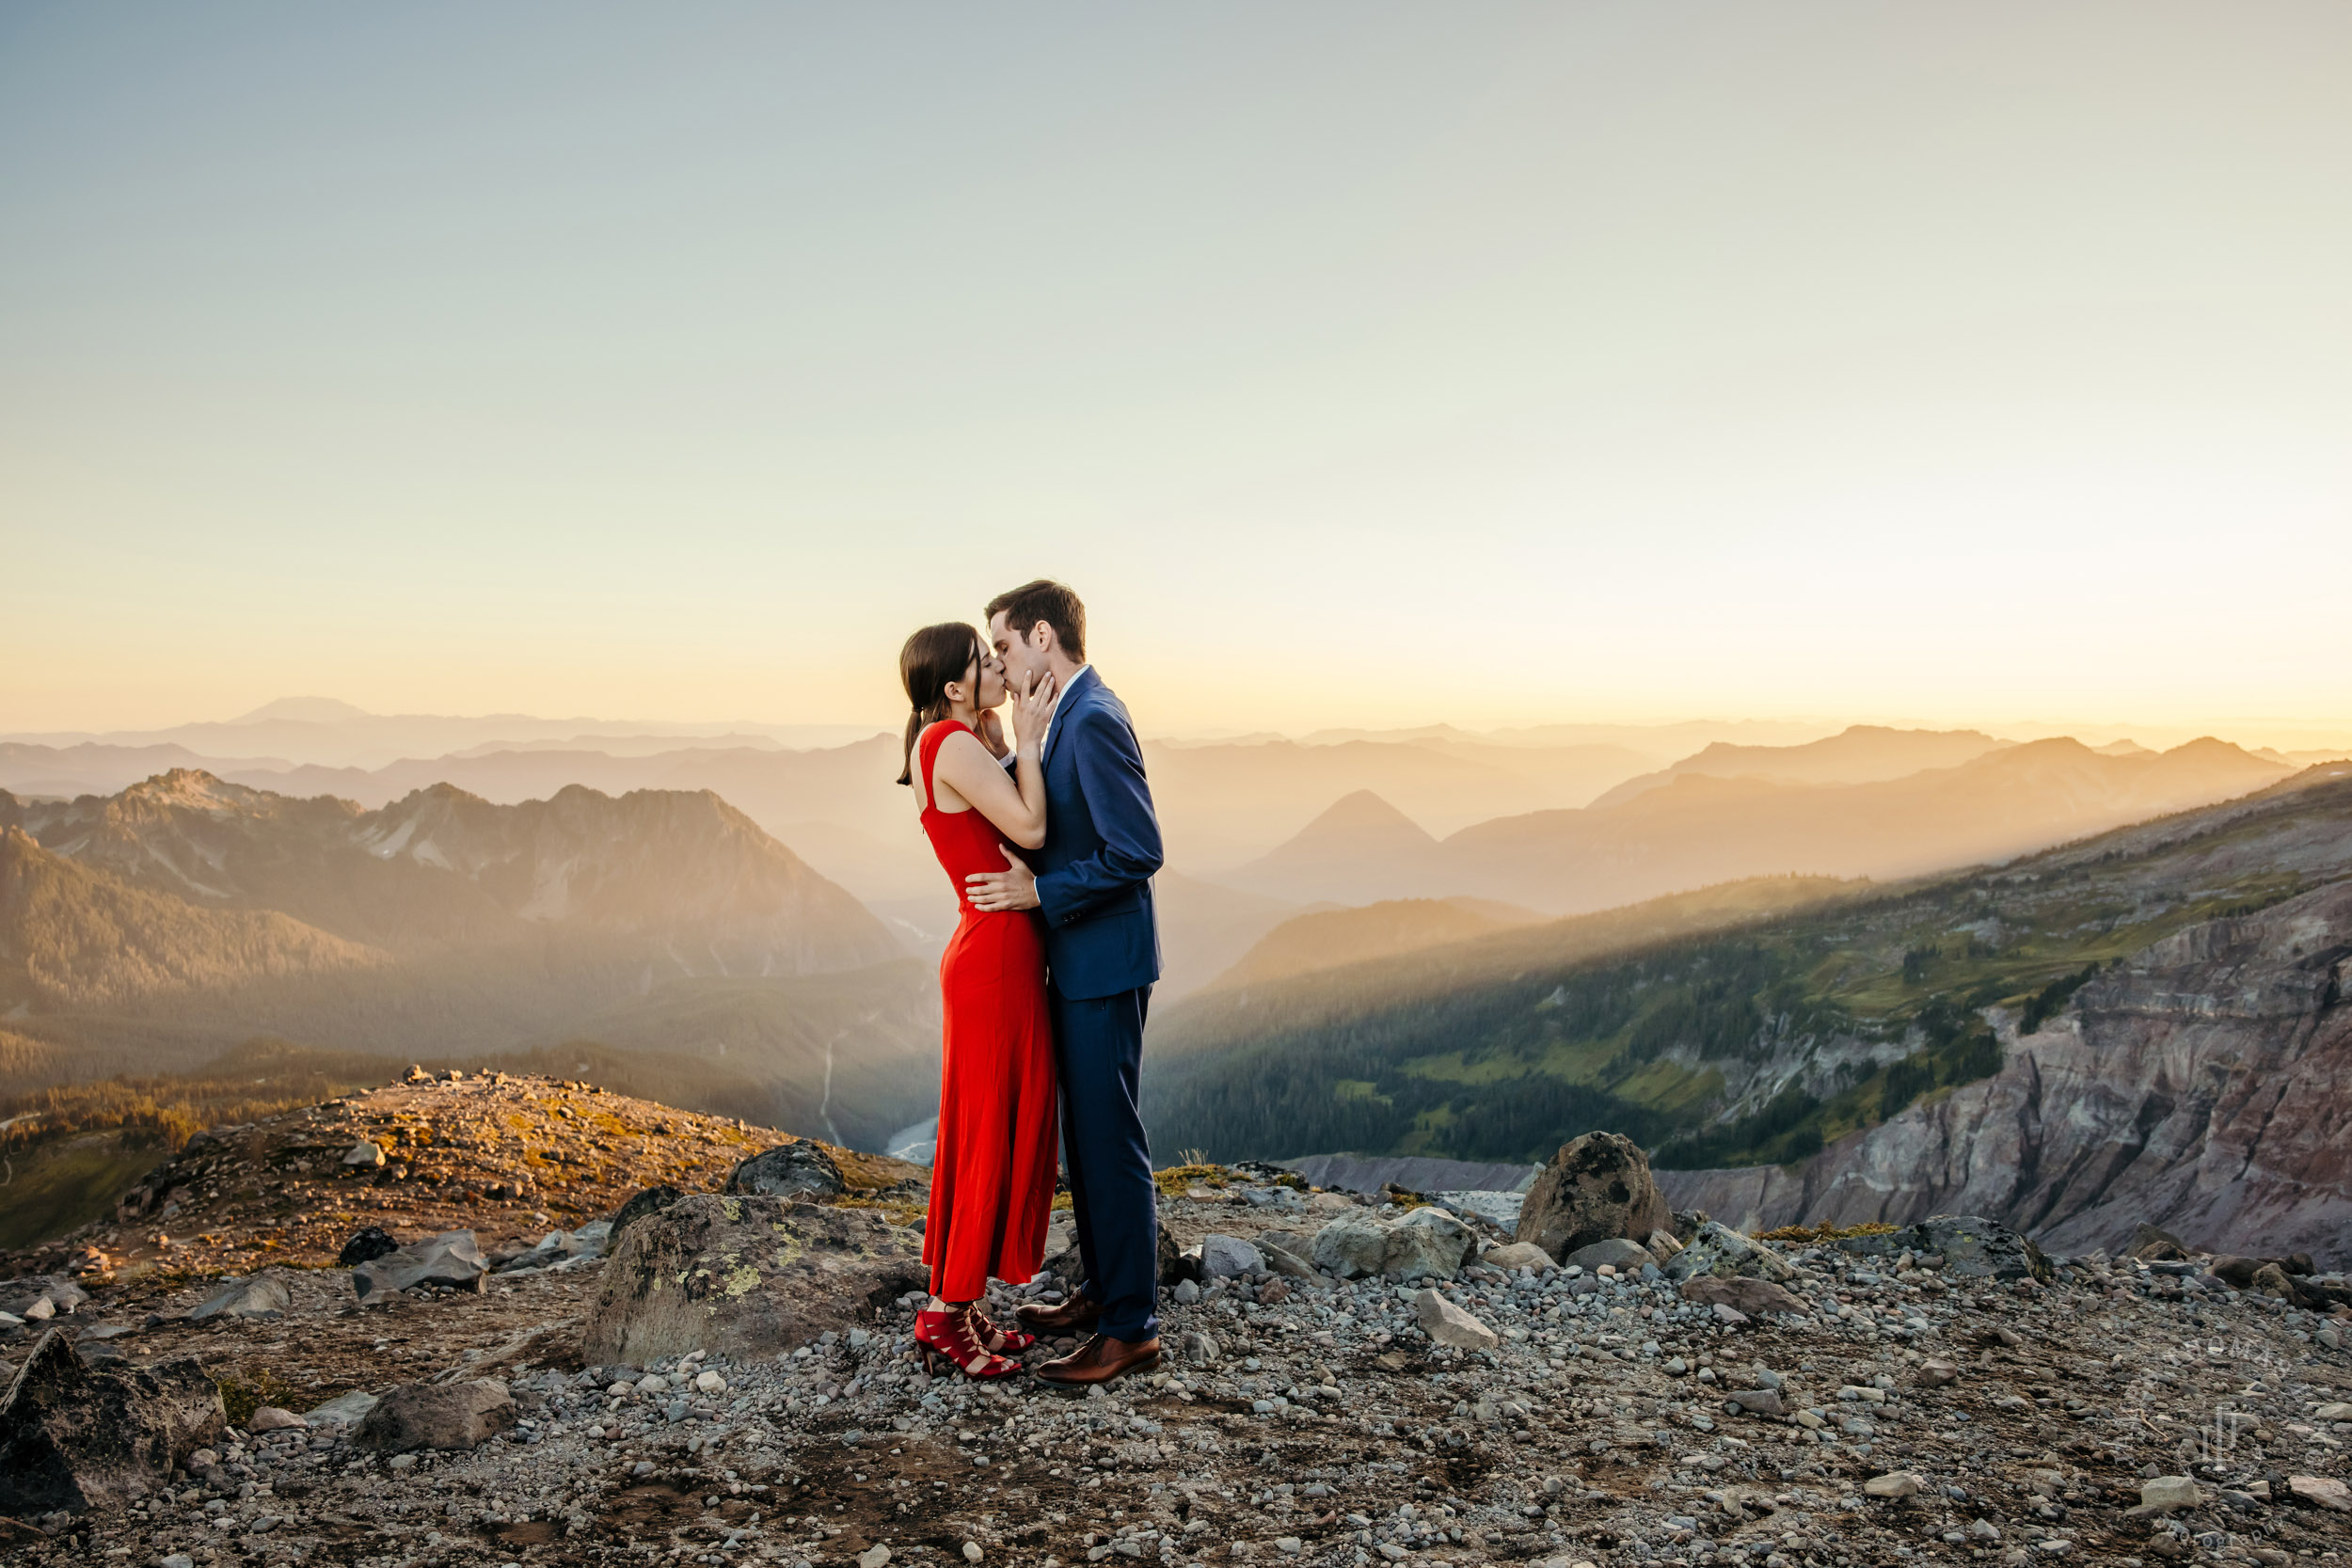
[(2200, 1085)]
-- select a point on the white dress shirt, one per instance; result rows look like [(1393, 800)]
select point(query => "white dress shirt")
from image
[(1060, 692)]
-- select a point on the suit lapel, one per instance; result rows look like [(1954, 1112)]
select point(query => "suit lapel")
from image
[(1080, 690)]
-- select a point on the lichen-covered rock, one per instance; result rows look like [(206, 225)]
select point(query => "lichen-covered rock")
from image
[(1722, 1253), (453, 1415), (1427, 1243), (1969, 1245), (652, 1200), (799, 1167), (1595, 1188), (75, 1439), (748, 1276), (1351, 1247)]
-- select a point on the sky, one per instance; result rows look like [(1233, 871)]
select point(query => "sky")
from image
[(1360, 364)]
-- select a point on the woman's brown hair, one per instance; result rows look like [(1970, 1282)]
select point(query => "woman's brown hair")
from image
[(950, 651)]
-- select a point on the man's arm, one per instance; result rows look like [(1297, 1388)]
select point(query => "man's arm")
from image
[(1119, 798)]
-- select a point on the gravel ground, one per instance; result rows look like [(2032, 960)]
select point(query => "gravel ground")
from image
[(1307, 1421)]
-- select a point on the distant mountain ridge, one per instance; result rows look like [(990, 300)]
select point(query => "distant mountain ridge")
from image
[(442, 866), (151, 930), (1861, 753), (1697, 829)]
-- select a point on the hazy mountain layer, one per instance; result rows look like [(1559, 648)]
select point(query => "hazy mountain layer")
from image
[(1700, 829), (1862, 754), (1353, 853), (1761, 1042)]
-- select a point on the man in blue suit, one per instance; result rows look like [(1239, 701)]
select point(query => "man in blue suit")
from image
[(1093, 881)]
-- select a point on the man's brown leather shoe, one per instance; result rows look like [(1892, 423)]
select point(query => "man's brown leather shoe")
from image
[(1073, 1315), (1101, 1359)]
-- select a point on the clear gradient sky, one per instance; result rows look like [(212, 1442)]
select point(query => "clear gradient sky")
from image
[(1360, 363)]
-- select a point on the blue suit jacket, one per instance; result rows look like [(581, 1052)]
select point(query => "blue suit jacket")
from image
[(1102, 846)]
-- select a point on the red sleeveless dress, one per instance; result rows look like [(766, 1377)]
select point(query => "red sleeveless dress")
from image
[(992, 1174)]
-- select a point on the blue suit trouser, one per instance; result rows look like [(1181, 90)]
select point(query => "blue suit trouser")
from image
[(1098, 1057)]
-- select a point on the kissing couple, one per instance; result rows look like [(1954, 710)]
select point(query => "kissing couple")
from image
[(1051, 842)]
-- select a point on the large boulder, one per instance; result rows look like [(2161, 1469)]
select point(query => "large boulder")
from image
[(1722, 1253), (451, 1259), (75, 1439), (1970, 1245), (1427, 1243), (651, 1200), (262, 1295), (1224, 1257), (454, 1416), (1596, 1188), (1354, 1247), (745, 1276), (799, 1167)]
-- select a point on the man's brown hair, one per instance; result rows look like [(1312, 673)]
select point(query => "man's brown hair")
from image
[(1048, 601)]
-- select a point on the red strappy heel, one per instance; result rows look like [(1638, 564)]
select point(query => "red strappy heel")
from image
[(993, 1336), (947, 1337)]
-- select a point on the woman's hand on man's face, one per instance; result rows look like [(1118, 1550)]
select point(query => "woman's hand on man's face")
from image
[(1033, 706)]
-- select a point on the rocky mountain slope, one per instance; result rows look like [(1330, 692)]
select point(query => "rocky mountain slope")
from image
[(1472, 1404), (2200, 1085)]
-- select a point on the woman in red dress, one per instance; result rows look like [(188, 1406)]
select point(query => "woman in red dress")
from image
[(992, 1174)]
